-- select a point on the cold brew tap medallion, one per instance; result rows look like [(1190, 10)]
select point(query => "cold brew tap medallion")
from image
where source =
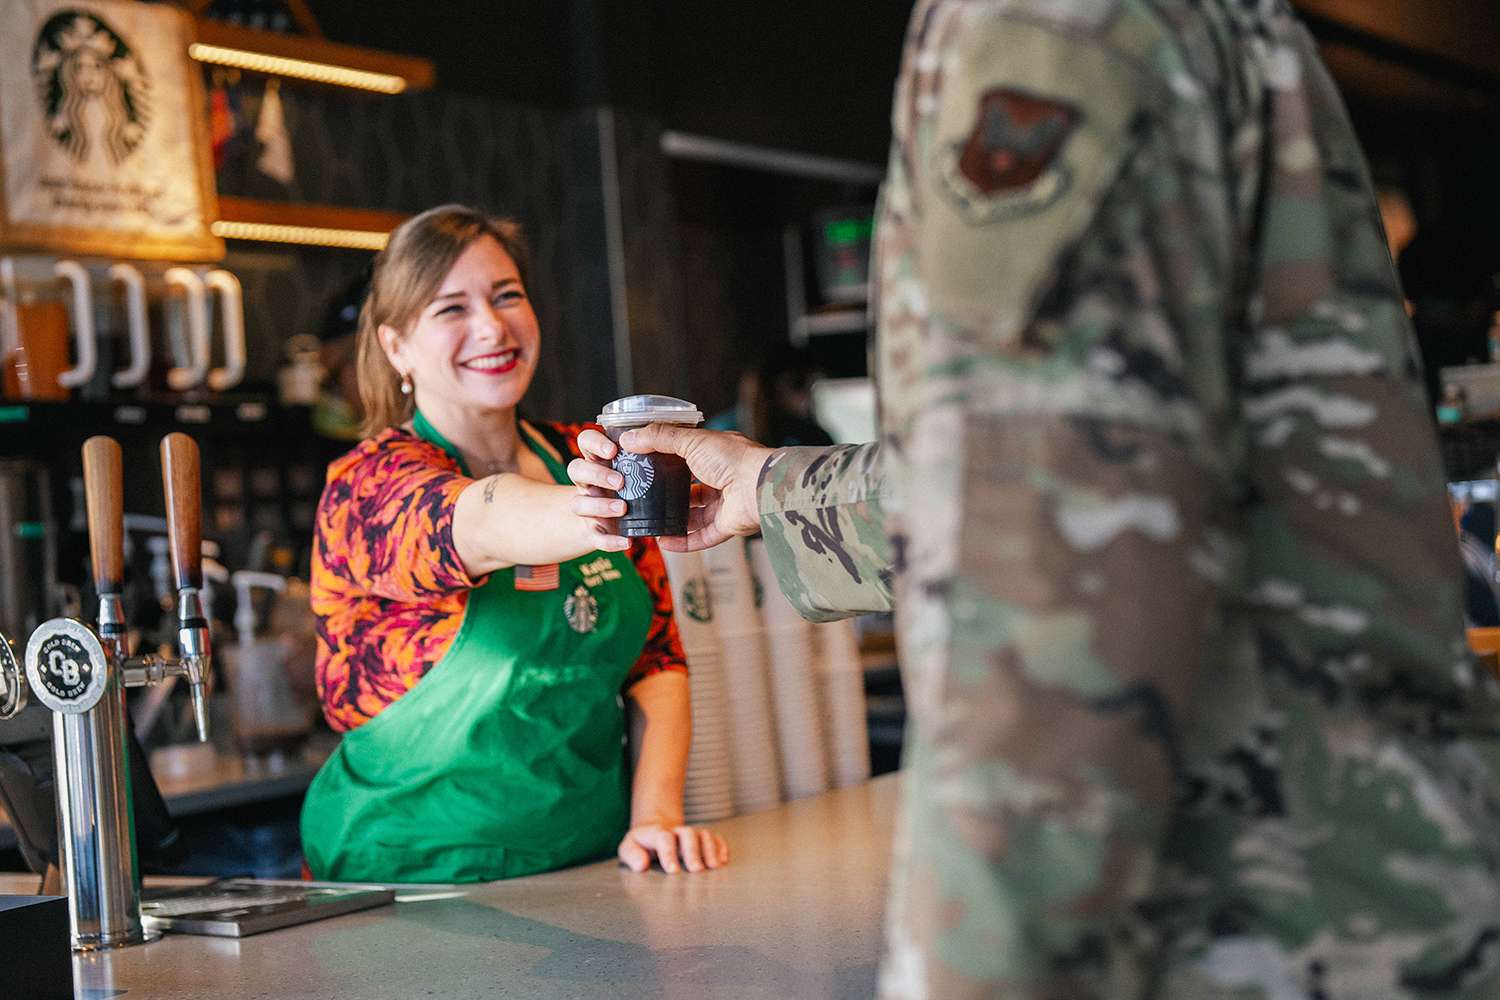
[(66, 666)]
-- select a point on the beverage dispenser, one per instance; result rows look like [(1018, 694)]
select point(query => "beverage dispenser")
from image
[(92, 327)]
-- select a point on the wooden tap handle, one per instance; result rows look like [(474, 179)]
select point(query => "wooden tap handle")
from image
[(104, 497), (179, 479)]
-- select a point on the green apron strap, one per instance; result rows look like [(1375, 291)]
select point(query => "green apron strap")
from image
[(423, 429)]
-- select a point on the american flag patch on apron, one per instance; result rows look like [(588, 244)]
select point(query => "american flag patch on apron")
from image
[(537, 577)]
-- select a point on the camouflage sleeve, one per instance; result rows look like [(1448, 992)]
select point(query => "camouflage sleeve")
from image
[(1051, 292), (821, 515)]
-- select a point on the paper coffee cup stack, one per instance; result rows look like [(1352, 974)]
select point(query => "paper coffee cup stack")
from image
[(742, 643), (794, 686), (841, 682), (709, 792)]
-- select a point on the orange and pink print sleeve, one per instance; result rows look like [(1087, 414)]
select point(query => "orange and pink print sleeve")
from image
[(388, 587)]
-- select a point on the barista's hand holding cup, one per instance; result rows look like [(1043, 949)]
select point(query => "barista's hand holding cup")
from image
[(727, 466), (655, 487)]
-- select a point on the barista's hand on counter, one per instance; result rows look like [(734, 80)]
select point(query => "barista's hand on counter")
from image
[(726, 465), (674, 847)]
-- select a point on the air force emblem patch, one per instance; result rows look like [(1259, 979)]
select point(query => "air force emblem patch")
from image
[(1009, 165)]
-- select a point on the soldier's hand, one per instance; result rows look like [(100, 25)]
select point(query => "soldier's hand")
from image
[(726, 465)]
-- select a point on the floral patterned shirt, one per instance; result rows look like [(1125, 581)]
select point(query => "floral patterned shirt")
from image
[(388, 588)]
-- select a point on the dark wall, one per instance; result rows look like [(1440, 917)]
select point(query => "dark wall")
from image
[(513, 128), (810, 76), (515, 51), (731, 225), (1449, 172), (409, 153), (1432, 129), (817, 77)]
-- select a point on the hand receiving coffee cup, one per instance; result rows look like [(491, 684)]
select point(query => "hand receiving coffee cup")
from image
[(727, 466)]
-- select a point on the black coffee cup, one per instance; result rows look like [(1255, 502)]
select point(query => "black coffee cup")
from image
[(657, 486)]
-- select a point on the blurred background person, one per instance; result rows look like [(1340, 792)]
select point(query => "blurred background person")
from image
[(775, 401)]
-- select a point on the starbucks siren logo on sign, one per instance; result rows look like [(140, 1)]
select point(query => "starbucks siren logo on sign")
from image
[(93, 89)]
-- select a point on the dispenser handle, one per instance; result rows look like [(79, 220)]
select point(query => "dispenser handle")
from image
[(104, 497), (10, 324), (232, 319), (83, 324), (135, 322), (245, 581), (191, 376), (179, 477)]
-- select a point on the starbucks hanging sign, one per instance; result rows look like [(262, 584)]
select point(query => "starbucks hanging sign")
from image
[(103, 145)]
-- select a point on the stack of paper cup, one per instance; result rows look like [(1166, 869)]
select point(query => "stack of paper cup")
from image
[(841, 683), (794, 688), (709, 792), (742, 643)]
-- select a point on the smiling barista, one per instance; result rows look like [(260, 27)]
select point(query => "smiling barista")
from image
[(474, 641)]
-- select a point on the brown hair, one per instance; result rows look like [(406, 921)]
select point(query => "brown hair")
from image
[(408, 273)]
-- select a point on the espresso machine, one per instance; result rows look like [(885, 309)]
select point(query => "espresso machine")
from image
[(80, 672)]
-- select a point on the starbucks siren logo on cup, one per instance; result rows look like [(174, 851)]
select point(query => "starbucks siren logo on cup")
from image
[(639, 474), (657, 486)]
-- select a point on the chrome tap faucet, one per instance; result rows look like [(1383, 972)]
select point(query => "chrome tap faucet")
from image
[(81, 673)]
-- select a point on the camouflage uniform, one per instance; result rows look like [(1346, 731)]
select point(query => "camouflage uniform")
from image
[(1158, 502)]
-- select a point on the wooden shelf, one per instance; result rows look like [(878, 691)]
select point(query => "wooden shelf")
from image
[(301, 223), (291, 213), (1463, 34), (417, 72)]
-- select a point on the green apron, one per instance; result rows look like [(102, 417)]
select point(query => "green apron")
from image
[(508, 757)]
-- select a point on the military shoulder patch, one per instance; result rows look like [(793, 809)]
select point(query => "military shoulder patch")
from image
[(1008, 165)]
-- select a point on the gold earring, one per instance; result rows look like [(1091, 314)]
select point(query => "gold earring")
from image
[(406, 385)]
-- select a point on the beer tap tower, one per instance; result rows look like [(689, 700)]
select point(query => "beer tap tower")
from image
[(81, 673)]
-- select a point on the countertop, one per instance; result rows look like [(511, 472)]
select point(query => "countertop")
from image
[(795, 915)]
